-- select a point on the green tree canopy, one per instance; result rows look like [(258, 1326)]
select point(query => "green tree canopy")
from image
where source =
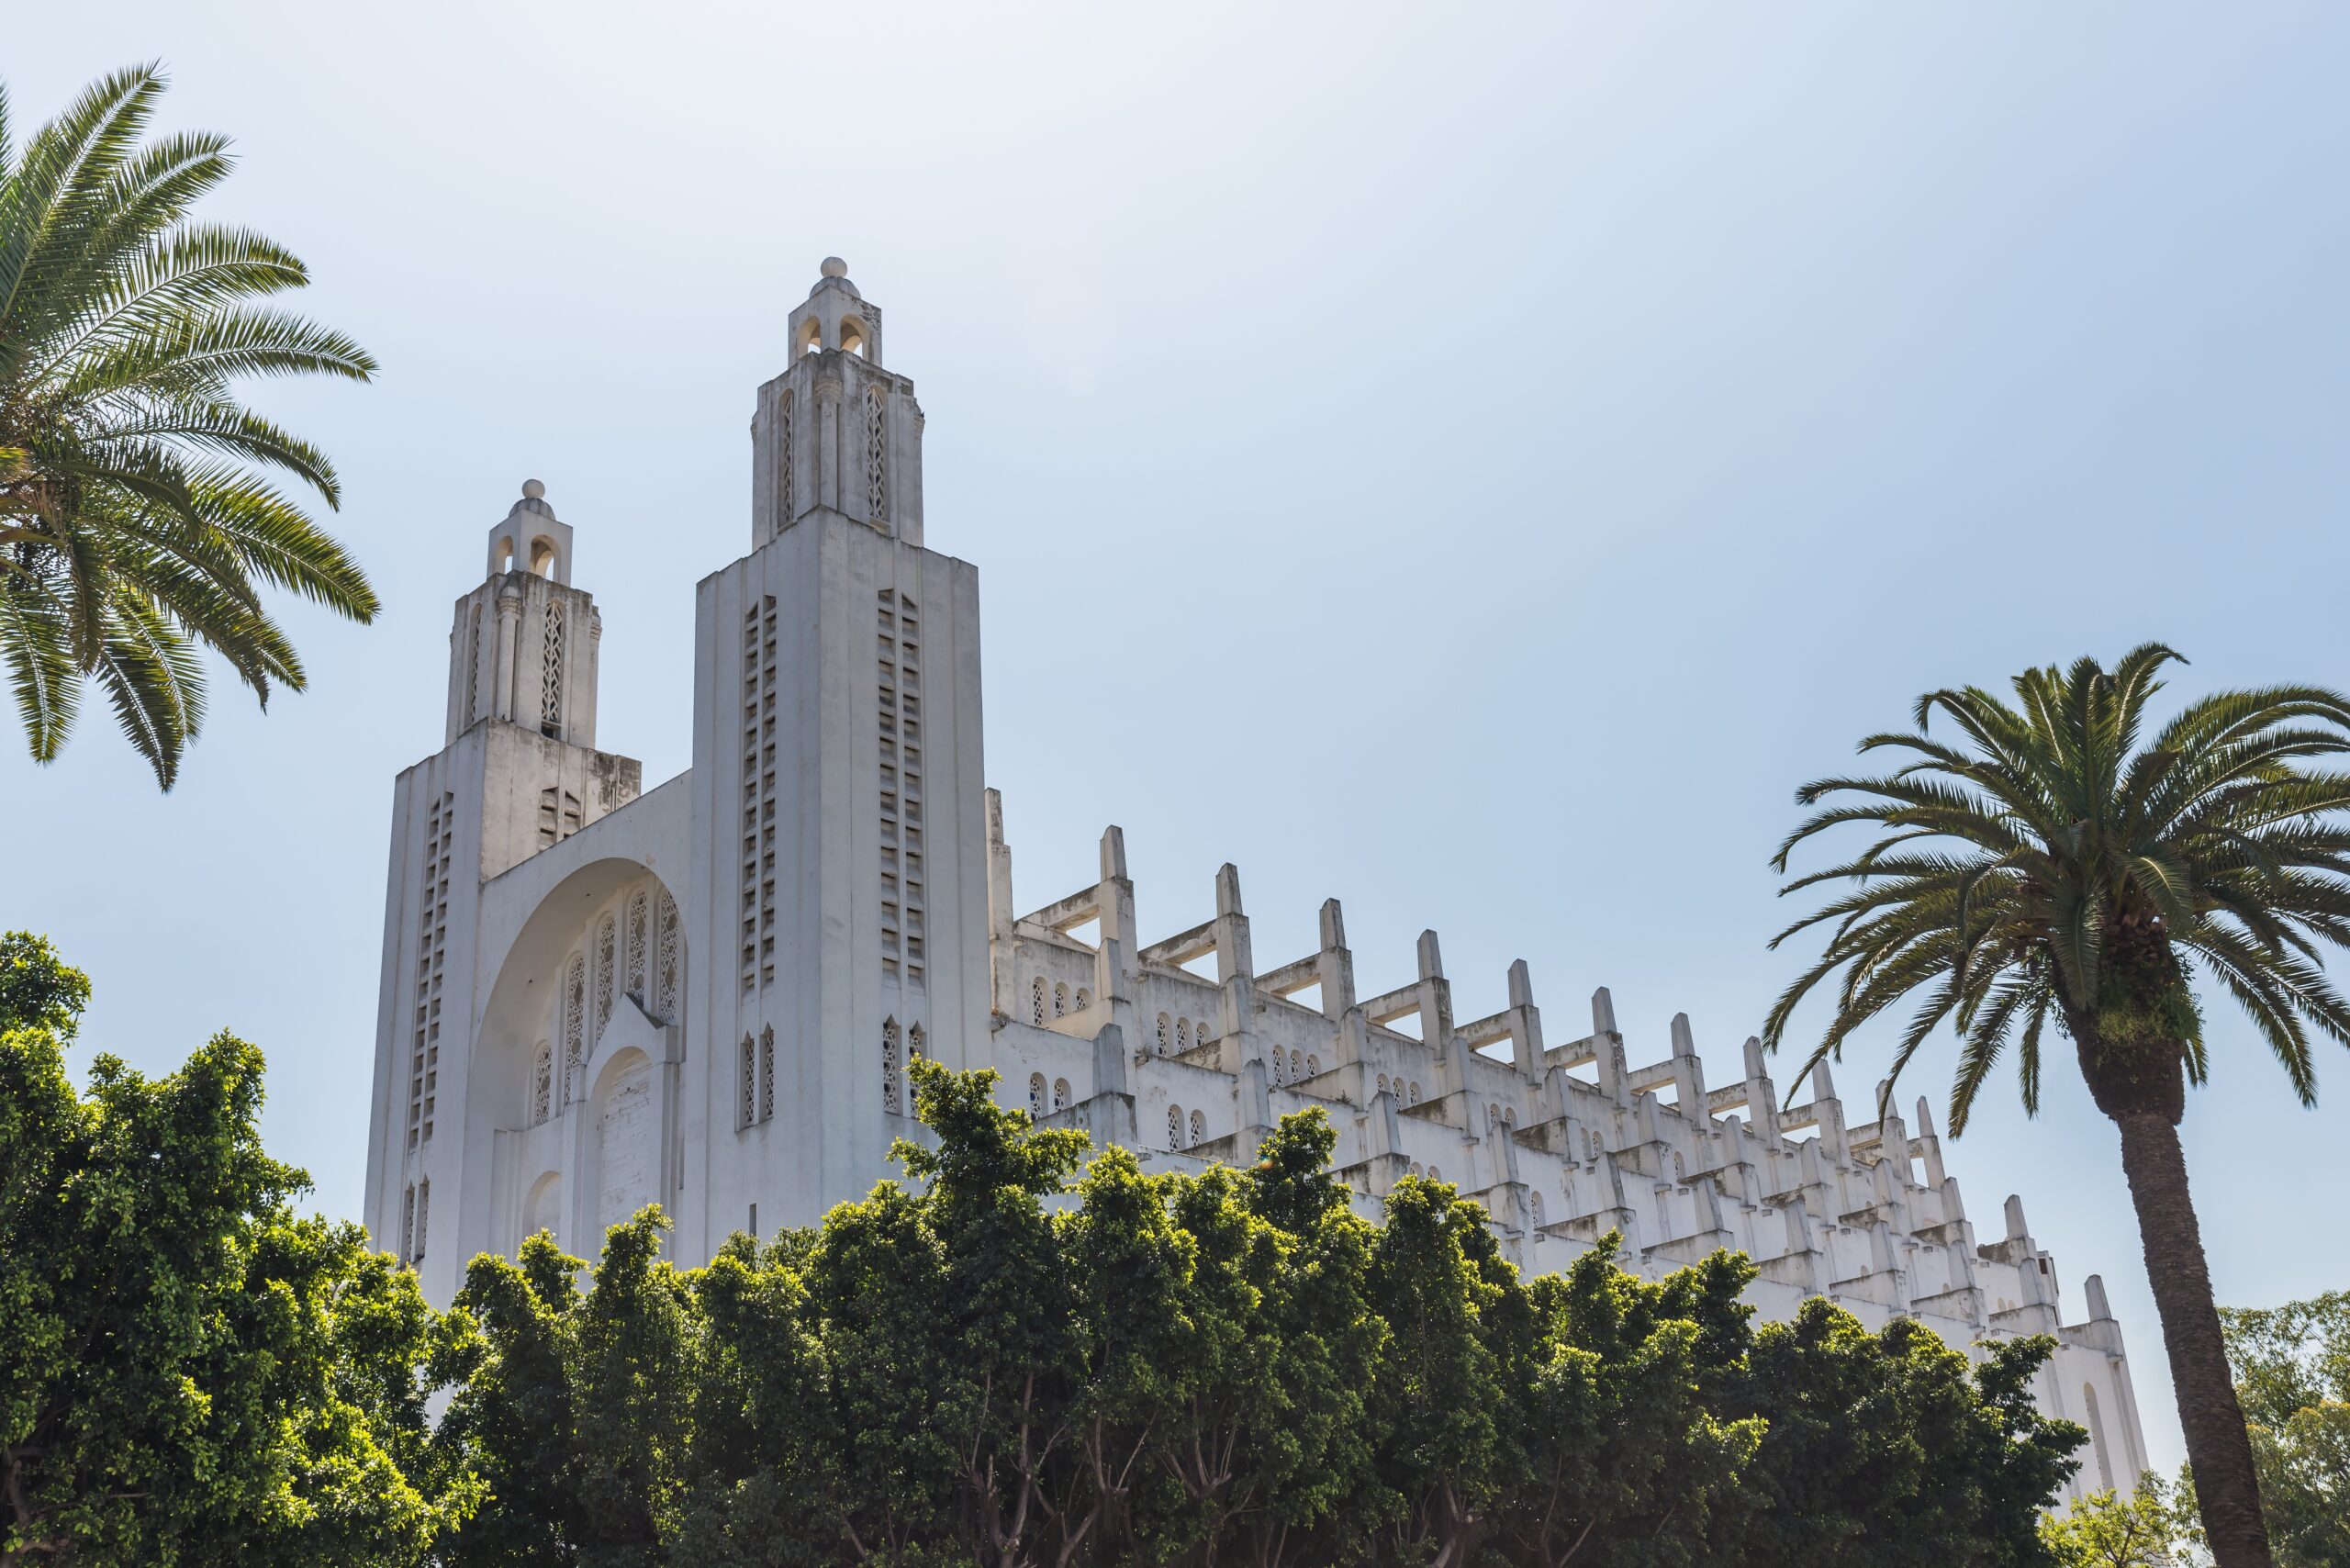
[(189, 1372), (1018, 1354)]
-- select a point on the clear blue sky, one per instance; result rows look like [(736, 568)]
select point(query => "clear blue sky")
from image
[(1474, 463)]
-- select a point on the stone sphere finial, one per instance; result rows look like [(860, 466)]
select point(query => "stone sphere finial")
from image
[(534, 491), (833, 267)]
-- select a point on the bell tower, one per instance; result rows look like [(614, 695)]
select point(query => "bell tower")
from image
[(835, 432), (518, 773), (839, 917)]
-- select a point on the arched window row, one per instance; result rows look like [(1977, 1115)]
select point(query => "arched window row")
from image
[(1178, 1035), (1183, 1133), (1049, 999)]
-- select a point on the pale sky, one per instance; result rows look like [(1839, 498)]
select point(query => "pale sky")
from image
[(1474, 463)]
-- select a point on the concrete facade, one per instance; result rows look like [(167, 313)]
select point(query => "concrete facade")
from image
[(595, 997)]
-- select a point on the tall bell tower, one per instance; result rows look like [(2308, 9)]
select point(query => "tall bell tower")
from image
[(840, 880)]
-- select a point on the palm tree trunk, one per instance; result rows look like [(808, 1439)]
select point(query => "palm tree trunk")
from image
[(2226, 1489)]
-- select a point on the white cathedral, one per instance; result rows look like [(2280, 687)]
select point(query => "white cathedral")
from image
[(596, 997)]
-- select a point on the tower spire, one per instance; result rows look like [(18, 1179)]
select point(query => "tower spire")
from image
[(525, 644), (835, 432)]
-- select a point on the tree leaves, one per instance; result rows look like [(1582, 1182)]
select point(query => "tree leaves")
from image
[(135, 526), (2066, 866)]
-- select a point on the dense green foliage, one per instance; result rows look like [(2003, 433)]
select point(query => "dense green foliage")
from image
[(2045, 864), (2292, 1368), (189, 1372), (1022, 1354), (136, 522), (2110, 1529)]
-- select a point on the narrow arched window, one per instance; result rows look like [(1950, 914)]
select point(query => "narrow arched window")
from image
[(605, 958), (1434, 1174), (405, 1244), (1166, 1032), (1199, 1128), (1537, 1196), (1415, 1094), (1493, 1117), (541, 1083), (574, 1005), (1060, 1093), (1296, 1066), (1509, 1118), (1036, 1001), (550, 671), (1174, 1126), (746, 1088), (913, 1043), (1416, 1168), (423, 1218), (1312, 1066), (1035, 1093), (670, 964), (877, 457), (1084, 998), (892, 1097), (1382, 1083), (1060, 1001), (640, 922), (1182, 1036), (767, 1072)]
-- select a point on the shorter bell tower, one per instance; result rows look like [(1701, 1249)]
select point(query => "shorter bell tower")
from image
[(525, 644)]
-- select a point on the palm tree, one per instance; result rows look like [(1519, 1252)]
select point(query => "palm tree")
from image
[(133, 525), (2049, 867)]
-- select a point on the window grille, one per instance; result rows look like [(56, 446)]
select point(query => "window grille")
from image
[(1035, 1093), (747, 1104), (892, 1085), (604, 978), (766, 1073), (640, 918), (574, 1004), (877, 456), (786, 473), (1174, 1126), (671, 966), (541, 1083), (550, 671)]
